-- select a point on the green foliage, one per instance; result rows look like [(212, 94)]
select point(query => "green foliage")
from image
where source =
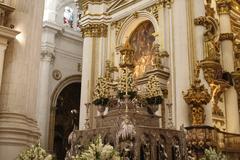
[(211, 154)]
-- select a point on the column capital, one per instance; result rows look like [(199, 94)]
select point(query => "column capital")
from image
[(95, 30), (223, 6), (47, 55)]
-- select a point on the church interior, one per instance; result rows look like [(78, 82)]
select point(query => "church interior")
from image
[(120, 79)]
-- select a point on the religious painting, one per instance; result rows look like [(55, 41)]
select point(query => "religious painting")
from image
[(141, 41)]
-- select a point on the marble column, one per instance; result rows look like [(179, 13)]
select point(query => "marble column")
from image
[(231, 99), (3, 46), (94, 48), (86, 79), (18, 126), (43, 95)]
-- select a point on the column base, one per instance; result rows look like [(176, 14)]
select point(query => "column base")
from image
[(16, 133)]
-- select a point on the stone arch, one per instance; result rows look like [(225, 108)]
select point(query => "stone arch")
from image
[(61, 85), (132, 22)]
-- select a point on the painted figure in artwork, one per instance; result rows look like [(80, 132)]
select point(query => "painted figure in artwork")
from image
[(141, 41)]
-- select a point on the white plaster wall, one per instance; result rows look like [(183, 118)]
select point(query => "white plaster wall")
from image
[(65, 43), (68, 54)]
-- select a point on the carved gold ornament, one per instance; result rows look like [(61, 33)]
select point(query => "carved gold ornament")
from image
[(127, 56), (158, 56), (195, 97), (102, 91), (211, 70), (218, 87), (109, 70), (211, 37), (226, 36), (223, 6), (95, 30), (153, 87), (126, 82)]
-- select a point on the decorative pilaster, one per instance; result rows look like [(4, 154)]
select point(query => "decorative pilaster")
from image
[(94, 53), (226, 37), (87, 82), (47, 57)]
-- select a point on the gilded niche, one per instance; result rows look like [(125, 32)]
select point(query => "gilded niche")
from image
[(142, 42)]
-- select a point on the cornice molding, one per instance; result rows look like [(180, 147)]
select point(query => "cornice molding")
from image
[(51, 25), (8, 33)]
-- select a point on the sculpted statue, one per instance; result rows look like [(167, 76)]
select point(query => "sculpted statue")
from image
[(145, 148), (162, 155), (68, 16), (75, 148), (176, 152), (211, 37)]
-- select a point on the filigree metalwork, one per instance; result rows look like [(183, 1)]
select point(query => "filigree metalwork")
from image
[(109, 70), (126, 84), (127, 56)]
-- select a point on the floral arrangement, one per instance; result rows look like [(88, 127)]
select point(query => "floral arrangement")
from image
[(101, 92), (154, 92), (98, 151), (211, 154), (35, 152)]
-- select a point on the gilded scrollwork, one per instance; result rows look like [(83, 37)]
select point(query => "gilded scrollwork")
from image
[(217, 89), (211, 37)]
